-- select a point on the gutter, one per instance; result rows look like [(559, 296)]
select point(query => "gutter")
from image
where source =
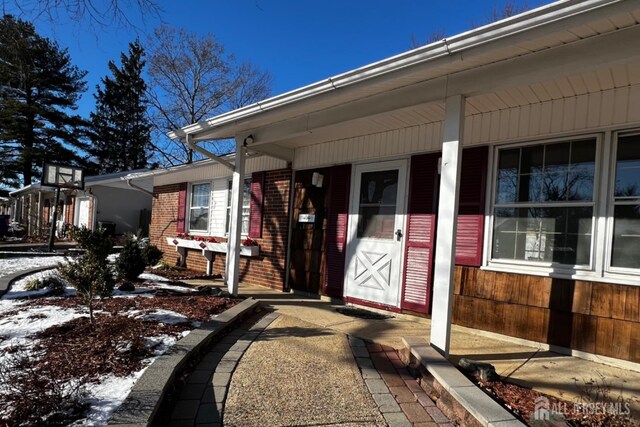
[(445, 48)]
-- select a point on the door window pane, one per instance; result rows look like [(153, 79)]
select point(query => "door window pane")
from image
[(377, 204)]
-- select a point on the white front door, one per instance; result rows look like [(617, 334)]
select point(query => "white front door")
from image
[(83, 212), (376, 229)]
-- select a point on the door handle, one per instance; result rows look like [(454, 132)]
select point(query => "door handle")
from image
[(399, 234)]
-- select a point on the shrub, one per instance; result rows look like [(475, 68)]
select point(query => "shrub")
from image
[(151, 254), (130, 263), (34, 285), (55, 284), (90, 274), (97, 243)]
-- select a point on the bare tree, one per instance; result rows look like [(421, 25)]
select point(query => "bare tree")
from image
[(192, 78), (510, 8), (94, 13)]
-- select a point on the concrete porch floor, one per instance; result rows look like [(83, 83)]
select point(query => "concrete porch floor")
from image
[(552, 373)]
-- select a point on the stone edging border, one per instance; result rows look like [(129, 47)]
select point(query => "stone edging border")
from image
[(146, 396), (6, 281), (456, 395)]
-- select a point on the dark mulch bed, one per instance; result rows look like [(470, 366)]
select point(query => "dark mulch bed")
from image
[(195, 307), (182, 274), (43, 388), (522, 402)]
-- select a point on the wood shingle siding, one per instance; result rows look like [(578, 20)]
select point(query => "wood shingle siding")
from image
[(598, 318)]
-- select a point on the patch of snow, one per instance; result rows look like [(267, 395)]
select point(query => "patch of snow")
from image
[(153, 277), (167, 317), (106, 396), (13, 265)]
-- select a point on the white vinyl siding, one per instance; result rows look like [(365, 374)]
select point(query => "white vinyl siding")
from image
[(218, 208)]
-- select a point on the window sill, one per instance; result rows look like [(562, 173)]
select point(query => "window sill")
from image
[(564, 273)]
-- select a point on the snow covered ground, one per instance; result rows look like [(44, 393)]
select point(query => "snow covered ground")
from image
[(23, 322), (12, 265)]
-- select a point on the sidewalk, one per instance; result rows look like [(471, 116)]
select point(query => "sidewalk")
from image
[(548, 372)]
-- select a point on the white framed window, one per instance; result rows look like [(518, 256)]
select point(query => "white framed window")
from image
[(199, 206), (624, 205), (544, 203), (246, 206)]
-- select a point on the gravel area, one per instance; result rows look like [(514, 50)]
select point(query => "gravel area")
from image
[(12, 265), (296, 373)]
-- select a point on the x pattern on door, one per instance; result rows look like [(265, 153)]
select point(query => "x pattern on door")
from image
[(373, 270)]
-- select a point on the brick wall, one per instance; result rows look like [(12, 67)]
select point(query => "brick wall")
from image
[(267, 269)]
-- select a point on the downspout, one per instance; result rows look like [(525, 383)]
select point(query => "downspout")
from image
[(137, 187)]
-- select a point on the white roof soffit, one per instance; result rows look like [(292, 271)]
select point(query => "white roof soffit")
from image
[(481, 42)]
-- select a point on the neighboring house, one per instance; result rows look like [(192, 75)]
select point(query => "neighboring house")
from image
[(194, 199), (107, 200), (528, 129), (6, 204)]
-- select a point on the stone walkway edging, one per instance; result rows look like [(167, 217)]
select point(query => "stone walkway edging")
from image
[(7, 281), (142, 404), (456, 394)]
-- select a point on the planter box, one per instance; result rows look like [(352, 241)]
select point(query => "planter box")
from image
[(249, 251)]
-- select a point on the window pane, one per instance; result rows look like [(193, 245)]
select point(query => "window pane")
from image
[(628, 167), (199, 209), (556, 172), (547, 173), (377, 210), (246, 203), (582, 170), (508, 166), (561, 235), (626, 237), (199, 219), (200, 195)]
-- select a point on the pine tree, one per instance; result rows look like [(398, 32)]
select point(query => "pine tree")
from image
[(39, 89), (121, 130)]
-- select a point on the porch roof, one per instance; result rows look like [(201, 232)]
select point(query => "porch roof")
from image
[(421, 78)]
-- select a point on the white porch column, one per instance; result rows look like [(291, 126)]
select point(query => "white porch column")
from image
[(232, 266), (447, 212)]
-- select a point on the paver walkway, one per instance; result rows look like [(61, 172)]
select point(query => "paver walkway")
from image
[(287, 372)]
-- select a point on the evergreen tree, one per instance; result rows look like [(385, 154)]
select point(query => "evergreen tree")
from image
[(39, 89), (121, 130)]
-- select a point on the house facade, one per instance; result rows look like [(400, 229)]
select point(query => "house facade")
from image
[(491, 179), (106, 200), (191, 217)]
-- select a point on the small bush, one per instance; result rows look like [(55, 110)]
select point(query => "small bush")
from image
[(34, 285), (151, 254), (55, 284), (131, 262), (90, 275)]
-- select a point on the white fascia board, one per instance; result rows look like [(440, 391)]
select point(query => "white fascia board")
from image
[(448, 47)]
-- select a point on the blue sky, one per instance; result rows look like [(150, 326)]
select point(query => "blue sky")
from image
[(298, 41)]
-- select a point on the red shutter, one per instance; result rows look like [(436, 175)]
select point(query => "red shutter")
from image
[(470, 229), (420, 233), (255, 205), (182, 208), (336, 237)]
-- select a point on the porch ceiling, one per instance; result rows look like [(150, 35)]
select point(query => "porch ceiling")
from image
[(416, 76), (592, 81)]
